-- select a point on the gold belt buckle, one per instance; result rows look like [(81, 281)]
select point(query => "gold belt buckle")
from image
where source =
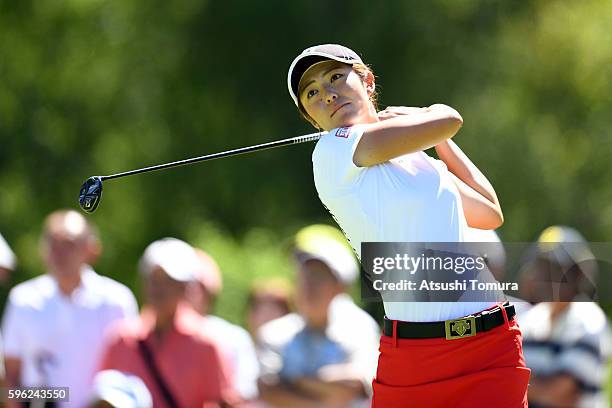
[(460, 328)]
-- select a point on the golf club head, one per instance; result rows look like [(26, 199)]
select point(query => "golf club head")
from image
[(90, 194)]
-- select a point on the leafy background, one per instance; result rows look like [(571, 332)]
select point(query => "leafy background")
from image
[(96, 87)]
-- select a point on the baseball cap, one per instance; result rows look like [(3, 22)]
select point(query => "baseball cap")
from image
[(327, 244), (121, 390), (313, 55), (8, 260), (177, 258)]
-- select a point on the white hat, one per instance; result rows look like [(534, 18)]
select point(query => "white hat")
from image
[(322, 242), (8, 260), (121, 390), (313, 55), (177, 258)]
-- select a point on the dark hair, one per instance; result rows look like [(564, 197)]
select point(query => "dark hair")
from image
[(360, 69)]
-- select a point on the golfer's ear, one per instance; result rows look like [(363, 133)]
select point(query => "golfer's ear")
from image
[(370, 83)]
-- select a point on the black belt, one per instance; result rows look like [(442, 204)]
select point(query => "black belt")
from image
[(451, 329)]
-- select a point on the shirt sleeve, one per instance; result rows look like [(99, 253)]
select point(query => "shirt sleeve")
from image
[(123, 301), (270, 359), (129, 305), (332, 160), (247, 368)]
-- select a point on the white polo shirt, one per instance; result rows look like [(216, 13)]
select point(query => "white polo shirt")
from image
[(237, 342), (59, 338), (411, 198)]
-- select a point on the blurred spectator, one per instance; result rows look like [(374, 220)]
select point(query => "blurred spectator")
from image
[(54, 324), (268, 299), (496, 262), (8, 260), (326, 354), (566, 344), (167, 347), (559, 266), (114, 389), (235, 341)]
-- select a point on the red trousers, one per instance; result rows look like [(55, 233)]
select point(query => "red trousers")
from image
[(486, 370)]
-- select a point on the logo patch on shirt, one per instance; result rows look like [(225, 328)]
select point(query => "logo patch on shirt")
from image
[(343, 132)]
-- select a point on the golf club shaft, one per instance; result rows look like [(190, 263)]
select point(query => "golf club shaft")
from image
[(293, 140)]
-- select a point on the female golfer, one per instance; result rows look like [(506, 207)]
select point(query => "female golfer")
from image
[(372, 174)]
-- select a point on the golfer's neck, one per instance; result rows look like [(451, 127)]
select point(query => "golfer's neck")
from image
[(373, 115)]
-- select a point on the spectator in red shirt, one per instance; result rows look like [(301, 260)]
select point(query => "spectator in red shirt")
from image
[(167, 347)]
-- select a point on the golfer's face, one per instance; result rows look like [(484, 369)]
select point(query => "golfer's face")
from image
[(334, 95)]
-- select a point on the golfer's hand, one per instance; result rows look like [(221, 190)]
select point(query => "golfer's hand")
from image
[(394, 111)]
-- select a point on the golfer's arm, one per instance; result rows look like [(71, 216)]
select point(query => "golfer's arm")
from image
[(479, 198), (479, 212), (387, 139), (461, 166)]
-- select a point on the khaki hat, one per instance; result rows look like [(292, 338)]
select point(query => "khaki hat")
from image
[(328, 245)]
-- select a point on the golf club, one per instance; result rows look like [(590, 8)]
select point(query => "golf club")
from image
[(91, 190)]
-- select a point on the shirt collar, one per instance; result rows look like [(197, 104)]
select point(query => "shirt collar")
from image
[(86, 284)]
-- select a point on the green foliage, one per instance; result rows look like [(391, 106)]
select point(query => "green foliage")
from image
[(96, 87), (259, 254)]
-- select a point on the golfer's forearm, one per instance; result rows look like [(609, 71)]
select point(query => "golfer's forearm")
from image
[(461, 166), (385, 140)]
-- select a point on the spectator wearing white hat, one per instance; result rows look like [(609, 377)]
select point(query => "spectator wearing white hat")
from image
[(54, 324), (325, 354), (168, 347), (235, 341)]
